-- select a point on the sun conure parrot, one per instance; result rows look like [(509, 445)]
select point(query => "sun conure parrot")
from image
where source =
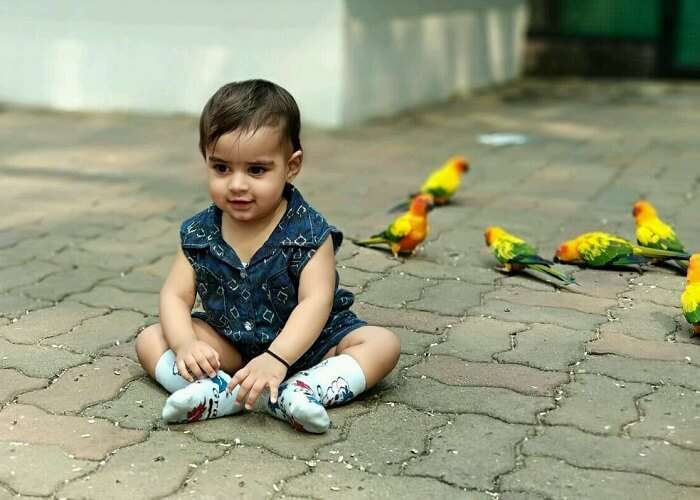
[(442, 183), (407, 231), (652, 232), (690, 300), (516, 254), (598, 249)]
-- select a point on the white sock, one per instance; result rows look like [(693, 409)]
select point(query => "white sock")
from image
[(297, 404), (304, 396), (191, 401), (167, 373), (202, 400)]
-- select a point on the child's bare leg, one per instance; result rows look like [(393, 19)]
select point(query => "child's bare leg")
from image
[(151, 344), (206, 398), (375, 349), (359, 361)]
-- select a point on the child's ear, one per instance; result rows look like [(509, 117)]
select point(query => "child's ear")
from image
[(294, 164)]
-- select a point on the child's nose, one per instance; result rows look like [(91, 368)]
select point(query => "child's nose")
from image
[(238, 182)]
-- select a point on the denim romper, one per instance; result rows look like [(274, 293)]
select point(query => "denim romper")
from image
[(249, 305)]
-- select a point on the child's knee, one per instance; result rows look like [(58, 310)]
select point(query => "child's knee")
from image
[(392, 344), (386, 342), (150, 341)]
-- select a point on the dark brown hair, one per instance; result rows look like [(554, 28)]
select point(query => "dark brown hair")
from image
[(249, 105)]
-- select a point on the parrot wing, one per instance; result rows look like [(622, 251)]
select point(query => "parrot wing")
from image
[(513, 250), (399, 228), (600, 249), (656, 234), (438, 192), (442, 183), (526, 254), (392, 234), (436, 184), (506, 248), (690, 303)]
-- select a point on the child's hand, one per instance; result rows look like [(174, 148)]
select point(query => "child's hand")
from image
[(197, 360), (260, 372)]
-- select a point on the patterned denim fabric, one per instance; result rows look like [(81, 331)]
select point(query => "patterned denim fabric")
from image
[(250, 304)]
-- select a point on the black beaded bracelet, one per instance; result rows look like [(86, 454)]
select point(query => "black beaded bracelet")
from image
[(278, 358)]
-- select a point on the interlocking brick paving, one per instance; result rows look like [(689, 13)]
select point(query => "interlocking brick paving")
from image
[(506, 388)]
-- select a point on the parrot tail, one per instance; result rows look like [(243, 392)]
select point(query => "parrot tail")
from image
[(401, 207), (527, 260), (567, 279), (655, 253), (630, 260), (373, 240), (683, 264)]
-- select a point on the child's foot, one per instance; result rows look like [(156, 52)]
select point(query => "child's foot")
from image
[(201, 400), (298, 405), (305, 395)]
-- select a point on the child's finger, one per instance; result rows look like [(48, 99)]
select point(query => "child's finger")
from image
[(239, 376), (230, 387), (253, 394), (274, 387), (182, 368), (245, 387), (213, 359), (206, 367), (193, 368)]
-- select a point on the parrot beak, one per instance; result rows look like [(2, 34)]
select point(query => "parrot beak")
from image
[(556, 260)]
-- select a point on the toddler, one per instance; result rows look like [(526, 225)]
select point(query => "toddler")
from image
[(263, 263)]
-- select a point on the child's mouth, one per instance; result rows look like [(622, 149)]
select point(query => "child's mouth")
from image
[(240, 203)]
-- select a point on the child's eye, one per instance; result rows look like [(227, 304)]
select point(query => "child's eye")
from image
[(220, 168), (256, 169)]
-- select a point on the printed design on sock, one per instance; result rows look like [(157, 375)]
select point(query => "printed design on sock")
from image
[(196, 413), (280, 407), (336, 393), (301, 386), (295, 424), (210, 405), (220, 383)]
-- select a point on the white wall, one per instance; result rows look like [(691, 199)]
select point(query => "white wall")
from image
[(344, 60), (404, 53), (167, 56)]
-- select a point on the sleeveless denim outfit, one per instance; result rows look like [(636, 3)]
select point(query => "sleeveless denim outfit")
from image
[(250, 304)]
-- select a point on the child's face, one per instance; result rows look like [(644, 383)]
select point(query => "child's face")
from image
[(248, 170)]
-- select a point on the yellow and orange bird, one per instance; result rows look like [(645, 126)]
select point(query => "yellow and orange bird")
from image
[(442, 183), (598, 249), (652, 232), (516, 254), (690, 300), (407, 231)]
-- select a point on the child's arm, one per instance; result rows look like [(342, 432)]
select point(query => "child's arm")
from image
[(316, 292), (195, 359)]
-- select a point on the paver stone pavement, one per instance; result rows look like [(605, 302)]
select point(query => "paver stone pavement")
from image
[(507, 387)]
